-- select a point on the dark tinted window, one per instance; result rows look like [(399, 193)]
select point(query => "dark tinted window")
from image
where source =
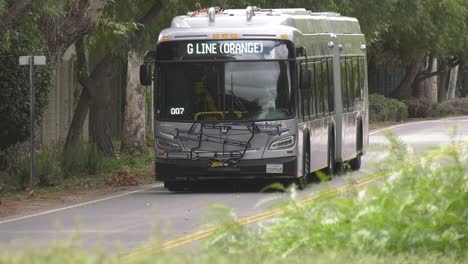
[(224, 91)]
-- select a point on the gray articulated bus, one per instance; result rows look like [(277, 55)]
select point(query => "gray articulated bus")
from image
[(257, 94)]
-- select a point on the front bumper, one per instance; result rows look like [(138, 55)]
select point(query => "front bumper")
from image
[(193, 170)]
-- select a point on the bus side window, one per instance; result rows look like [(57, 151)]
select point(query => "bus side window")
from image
[(319, 87), (350, 80), (325, 86), (331, 92), (300, 107), (344, 90), (356, 93), (306, 98), (313, 90), (362, 77)]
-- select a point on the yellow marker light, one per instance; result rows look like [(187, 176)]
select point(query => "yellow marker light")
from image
[(165, 38), (215, 36), (224, 36), (233, 35), (284, 36)]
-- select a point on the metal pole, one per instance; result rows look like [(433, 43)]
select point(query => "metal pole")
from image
[(32, 104)]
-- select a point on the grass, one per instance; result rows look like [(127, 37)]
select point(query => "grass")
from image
[(82, 166), (417, 215)]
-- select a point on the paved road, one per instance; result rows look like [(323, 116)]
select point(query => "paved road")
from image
[(130, 220)]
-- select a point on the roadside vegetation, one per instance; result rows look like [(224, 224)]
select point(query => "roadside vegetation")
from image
[(382, 108), (82, 166), (418, 214)]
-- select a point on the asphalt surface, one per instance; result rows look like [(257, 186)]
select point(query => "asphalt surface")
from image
[(130, 220)]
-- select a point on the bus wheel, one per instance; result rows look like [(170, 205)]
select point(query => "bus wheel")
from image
[(339, 168), (355, 163), (331, 158), (304, 179), (175, 186)]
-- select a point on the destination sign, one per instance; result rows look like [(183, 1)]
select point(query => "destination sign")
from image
[(219, 49), (214, 48)]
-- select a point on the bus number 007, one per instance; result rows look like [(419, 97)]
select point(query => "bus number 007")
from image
[(177, 111)]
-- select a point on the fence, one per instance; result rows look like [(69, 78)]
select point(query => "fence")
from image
[(64, 96)]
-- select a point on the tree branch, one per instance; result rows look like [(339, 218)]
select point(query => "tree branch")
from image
[(426, 75), (82, 18)]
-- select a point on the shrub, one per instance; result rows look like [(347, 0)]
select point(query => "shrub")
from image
[(79, 159), (48, 170), (418, 210), (21, 39), (457, 106), (386, 109), (419, 107)]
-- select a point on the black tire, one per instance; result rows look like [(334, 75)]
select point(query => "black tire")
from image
[(355, 163), (304, 179), (175, 186), (330, 170)]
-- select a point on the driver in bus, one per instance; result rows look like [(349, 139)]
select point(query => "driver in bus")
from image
[(204, 102)]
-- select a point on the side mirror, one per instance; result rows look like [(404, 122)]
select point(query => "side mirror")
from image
[(145, 74), (306, 78)]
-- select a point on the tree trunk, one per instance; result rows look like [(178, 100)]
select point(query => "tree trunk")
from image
[(134, 132), (453, 82), (100, 114), (81, 111), (465, 79), (404, 91), (98, 123), (430, 84), (76, 127), (443, 84)]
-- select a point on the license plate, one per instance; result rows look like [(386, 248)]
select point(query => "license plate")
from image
[(217, 164), (274, 168)]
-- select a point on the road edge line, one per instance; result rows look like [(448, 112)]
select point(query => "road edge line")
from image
[(80, 204)]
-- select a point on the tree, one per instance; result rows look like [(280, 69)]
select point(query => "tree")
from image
[(134, 131), (66, 24), (117, 27), (19, 39), (15, 10), (423, 29)]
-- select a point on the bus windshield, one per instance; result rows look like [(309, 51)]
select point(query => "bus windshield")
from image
[(224, 91)]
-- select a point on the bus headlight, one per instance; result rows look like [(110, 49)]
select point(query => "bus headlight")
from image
[(166, 144), (283, 143)]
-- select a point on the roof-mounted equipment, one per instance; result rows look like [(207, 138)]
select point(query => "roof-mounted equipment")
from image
[(249, 13), (212, 14)]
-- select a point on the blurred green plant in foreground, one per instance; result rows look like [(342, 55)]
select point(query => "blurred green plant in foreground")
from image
[(416, 215)]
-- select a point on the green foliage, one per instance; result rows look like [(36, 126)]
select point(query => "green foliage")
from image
[(386, 109), (81, 159), (55, 167), (48, 170), (3, 7), (417, 215), (129, 163), (457, 106), (22, 39), (418, 210), (405, 30), (419, 107)]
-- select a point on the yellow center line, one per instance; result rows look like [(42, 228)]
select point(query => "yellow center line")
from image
[(184, 240)]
